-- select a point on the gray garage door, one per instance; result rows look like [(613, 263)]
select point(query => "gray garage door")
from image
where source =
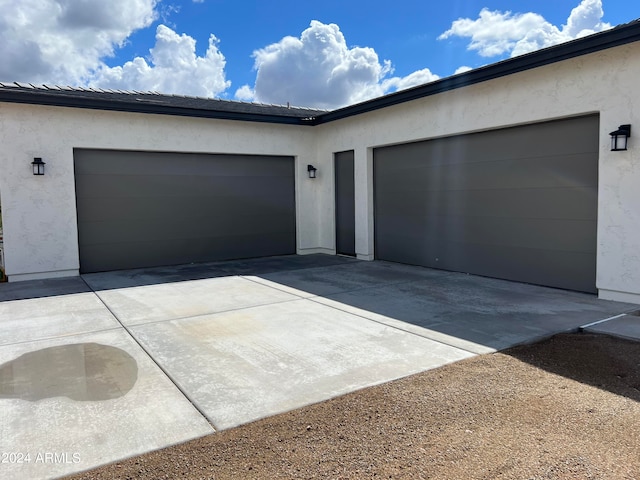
[(517, 203), (140, 209)]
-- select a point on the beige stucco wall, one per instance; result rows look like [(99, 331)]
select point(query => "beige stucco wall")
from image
[(604, 83), (39, 212)]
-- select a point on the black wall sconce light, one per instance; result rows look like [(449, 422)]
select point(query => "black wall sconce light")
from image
[(38, 166), (311, 170), (619, 138)]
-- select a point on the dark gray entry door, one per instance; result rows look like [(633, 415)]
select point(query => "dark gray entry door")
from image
[(140, 209), (518, 203), (345, 203)]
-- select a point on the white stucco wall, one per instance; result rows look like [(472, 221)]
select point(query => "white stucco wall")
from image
[(605, 82), (39, 212)]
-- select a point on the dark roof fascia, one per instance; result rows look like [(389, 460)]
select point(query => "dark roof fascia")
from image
[(621, 35), (44, 97)]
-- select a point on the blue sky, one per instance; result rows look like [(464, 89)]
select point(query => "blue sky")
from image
[(322, 54)]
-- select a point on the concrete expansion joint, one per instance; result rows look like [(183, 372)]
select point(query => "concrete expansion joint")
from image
[(148, 354), (273, 285), (626, 325), (217, 312), (584, 327), (68, 335)]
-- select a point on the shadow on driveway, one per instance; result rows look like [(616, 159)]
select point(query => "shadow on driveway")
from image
[(158, 275), (445, 306), (474, 313)]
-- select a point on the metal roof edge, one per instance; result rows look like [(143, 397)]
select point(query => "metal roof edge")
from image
[(617, 36), (35, 96)]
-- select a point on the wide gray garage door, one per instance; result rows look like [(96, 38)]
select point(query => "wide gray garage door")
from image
[(517, 203), (140, 209)]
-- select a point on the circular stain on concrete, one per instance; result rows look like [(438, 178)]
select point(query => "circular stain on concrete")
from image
[(79, 371)]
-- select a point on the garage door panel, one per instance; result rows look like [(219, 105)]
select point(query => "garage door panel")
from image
[(568, 203), (184, 228), (143, 164), (102, 257), (159, 207), (109, 186), (561, 235), (557, 203), (559, 138), (140, 209), (575, 137), (563, 269), (518, 203), (540, 234), (552, 172), (558, 269)]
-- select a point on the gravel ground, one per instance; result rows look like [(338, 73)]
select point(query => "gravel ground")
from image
[(565, 408)]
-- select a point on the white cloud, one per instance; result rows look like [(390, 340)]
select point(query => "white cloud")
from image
[(462, 69), (320, 70), (496, 33), (419, 77), (62, 41), (174, 68), (245, 93), (585, 19)]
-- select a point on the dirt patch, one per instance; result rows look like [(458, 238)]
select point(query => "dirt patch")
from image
[(565, 408)]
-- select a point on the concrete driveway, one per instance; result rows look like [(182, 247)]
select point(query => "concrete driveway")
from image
[(105, 366)]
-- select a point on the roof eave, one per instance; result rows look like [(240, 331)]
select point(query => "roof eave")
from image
[(40, 97)]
